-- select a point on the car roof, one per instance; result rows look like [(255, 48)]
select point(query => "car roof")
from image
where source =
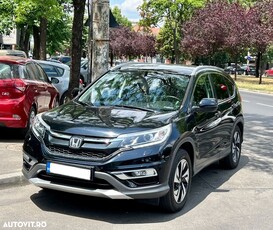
[(57, 64), (173, 68), (13, 59), (19, 53)]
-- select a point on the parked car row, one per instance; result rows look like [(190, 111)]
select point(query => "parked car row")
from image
[(241, 69)]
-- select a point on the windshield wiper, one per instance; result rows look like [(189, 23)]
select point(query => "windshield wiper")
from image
[(134, 107)]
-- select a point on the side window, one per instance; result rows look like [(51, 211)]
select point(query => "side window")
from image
[(220, 86), (41, 74), (230, 86), (202, 89), (30, 72)]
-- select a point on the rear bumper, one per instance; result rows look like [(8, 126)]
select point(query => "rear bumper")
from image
[(13, 113)]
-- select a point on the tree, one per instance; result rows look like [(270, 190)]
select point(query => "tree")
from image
[(76, 44), (260, 17), (34, 14), (165, 41), (219, 26), (121, 20), (127, 43), (175, 12)]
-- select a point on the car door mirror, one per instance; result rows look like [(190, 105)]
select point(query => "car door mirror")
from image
[(206, 105), (54, 80)]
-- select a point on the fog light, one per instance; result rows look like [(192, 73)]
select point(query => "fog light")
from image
[(133, 174), (139, 173)]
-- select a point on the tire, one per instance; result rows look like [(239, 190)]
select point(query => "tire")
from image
[(64, 98), (231, 161), (179, 182), (32, 114)]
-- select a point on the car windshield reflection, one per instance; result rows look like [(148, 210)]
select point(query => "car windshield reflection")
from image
[(140, 89)]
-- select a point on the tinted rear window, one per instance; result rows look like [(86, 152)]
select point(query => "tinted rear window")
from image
[(8, 71)]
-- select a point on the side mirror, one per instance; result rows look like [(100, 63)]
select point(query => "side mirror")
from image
[(206, 105), (54, 80), (75, 92)]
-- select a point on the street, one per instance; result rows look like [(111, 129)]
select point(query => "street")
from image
[(219, 199)]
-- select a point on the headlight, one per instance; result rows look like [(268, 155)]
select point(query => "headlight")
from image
[(147, 138), (39, 126)]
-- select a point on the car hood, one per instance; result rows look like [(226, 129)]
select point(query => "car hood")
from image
[(104, 121)]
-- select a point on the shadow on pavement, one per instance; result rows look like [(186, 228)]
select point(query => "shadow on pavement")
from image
[(132, 211), (11, 135)]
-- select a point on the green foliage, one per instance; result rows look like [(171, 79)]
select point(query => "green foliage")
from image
[(30, 11), (121, 20), (6, 16), (154, 12), (59, 34), (165, 41), (173, 14)]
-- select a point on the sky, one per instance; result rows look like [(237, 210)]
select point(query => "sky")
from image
[(128, 8)]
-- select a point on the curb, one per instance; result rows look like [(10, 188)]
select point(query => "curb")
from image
[(10, 179)]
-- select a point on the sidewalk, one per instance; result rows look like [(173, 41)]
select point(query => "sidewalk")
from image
[(11, 164)]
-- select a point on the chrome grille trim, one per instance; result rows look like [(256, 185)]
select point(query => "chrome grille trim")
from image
[(60, 135)]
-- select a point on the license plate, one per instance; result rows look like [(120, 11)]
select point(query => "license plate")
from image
[(70, 171)]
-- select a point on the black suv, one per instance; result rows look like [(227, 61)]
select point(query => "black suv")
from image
[(140, 131)]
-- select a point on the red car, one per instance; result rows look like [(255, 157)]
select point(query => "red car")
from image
[(25, 90), (269, 72)]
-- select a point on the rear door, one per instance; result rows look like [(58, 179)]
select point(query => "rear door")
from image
[(49, 89), (36, 87), (225, 93)]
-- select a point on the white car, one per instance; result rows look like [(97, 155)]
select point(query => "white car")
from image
[(61, 72)]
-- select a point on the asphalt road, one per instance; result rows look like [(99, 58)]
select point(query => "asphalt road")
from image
[(219, 199)]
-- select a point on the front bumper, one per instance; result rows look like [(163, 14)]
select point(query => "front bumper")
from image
[(36, 174)]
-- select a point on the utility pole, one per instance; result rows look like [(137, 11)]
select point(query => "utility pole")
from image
[(100, 38)]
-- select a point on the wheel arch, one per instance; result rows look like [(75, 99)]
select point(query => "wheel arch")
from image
[(188, 145)]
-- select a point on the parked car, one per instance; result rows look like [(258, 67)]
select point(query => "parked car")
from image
[(25, 90), (61, 75), (268, 72), (140, 131), (62, 59), (18, 53), (232, 69), (247, 69), (84, 71)]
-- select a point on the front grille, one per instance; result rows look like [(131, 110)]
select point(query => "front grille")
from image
[(92, 148), (75, 153)]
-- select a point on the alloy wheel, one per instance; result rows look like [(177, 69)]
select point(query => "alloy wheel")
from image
[(181, 181), (236, 146)]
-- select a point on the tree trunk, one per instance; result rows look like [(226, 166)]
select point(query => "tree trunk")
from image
[(24, 39), (36, 37), (43, 27), (258, 61), (76, 44), (236, 66), (260, 71)]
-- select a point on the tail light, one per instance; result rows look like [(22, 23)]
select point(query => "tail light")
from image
[(12, 88)]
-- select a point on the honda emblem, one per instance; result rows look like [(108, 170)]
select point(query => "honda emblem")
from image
[(75, 142)]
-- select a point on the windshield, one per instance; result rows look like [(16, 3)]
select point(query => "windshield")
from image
[(139, 89)]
